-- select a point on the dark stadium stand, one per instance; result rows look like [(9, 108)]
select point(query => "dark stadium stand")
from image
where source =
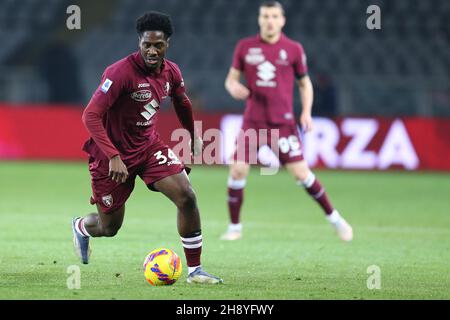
[(395, 70)]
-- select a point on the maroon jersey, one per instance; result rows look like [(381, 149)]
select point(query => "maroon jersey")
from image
[(129, 97), (270, 71)]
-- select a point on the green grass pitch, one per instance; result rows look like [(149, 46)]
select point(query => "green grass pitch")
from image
[(401, 224)]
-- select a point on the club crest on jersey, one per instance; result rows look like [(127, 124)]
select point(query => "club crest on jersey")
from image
[(282, 57), (108, 200), (106, 85), (254, 56), (166, 90), (141, 95)]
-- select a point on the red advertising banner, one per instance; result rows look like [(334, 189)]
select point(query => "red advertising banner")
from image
[(380, 143), (364, 143), (41, 132), (48, 132)]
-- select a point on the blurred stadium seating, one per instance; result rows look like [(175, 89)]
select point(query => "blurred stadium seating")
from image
[(402, 69)]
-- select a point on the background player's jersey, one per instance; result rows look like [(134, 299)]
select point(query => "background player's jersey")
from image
[(129, 96), (270, 71)]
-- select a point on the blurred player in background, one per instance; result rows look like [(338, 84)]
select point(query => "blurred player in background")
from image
[(121, 118), (271, 64)]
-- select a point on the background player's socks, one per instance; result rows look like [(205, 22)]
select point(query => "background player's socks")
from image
[(234, 232), (343, 229), (235, 198), (192, 245), (235, 227), (334, 217), (316, 191), (79, 227)]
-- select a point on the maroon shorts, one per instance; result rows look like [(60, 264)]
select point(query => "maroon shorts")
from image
[(157, 163), (283, 139)]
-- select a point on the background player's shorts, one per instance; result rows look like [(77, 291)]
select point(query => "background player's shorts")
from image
[(157, 163), (286, 145)]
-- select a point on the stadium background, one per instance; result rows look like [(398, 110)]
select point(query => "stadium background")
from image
[(401, 70), (366, 82)]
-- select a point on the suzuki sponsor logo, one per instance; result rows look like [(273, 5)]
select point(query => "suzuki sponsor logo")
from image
[(141, 95), (144, 124), (266, 73), (151, 107)]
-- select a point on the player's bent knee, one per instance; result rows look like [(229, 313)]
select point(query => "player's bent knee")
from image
[(186, 200), (110, 231)]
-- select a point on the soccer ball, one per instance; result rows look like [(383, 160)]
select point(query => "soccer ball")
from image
[(162, 267)]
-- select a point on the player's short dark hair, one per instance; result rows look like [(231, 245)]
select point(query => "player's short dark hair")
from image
[(154, 21), (272, 4)]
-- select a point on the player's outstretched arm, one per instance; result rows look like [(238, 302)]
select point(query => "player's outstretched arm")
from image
[(306, 96), (234, 87)]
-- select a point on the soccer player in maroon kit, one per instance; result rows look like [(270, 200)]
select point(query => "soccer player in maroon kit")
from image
[(121, 118), (271, 63)]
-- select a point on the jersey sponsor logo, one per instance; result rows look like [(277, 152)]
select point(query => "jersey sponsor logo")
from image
[(141, 95), (254, 56), (143, 85), (108, 200), (143, 124), (266, 73), (106, 85), (151, 108), (254, 50)]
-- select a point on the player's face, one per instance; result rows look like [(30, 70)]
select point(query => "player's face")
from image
[(271, 20), (153, 46)]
